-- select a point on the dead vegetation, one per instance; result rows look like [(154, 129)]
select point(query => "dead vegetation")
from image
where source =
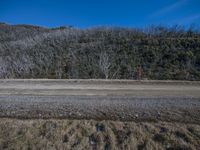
[(90, 134)]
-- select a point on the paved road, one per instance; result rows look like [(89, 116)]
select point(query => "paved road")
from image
[(101, 99)]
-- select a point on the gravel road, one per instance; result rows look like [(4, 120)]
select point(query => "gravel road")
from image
[(101, 99)]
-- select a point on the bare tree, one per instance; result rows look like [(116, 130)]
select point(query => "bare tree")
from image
[(104, 64)]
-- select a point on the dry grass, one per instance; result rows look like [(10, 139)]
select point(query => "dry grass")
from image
[(91, 134)]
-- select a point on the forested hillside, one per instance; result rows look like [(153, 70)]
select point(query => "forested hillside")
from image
[(103, 52)]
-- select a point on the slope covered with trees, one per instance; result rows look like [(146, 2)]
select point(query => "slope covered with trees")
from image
[(104, 52)]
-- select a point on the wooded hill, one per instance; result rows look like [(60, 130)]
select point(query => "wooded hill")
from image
[(103, 52)]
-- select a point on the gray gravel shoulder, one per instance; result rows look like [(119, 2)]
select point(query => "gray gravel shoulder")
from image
[(126, 108)]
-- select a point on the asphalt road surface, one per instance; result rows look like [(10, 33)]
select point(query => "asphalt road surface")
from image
[(125, 100)]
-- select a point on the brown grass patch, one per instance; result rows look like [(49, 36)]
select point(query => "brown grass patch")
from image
[(91, 134)]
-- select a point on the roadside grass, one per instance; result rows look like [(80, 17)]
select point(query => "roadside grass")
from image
[(90, 134)]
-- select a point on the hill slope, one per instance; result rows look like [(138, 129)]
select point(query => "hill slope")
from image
[(35, 52)]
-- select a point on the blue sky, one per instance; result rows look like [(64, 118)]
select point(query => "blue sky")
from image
[(89, 13)]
